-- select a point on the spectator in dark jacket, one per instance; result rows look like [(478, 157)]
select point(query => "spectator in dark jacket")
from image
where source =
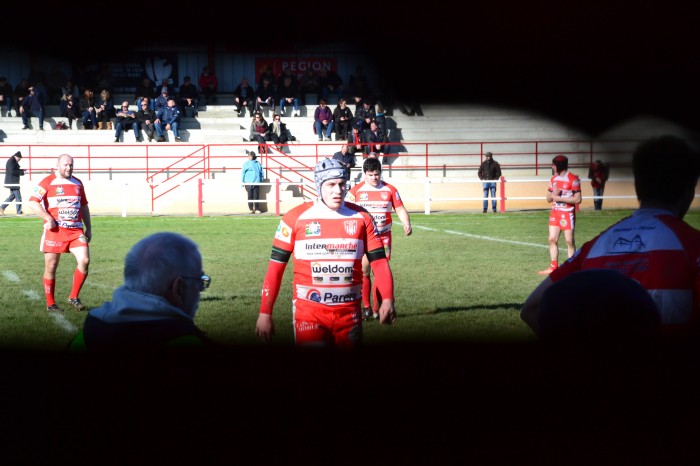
[(6, 95), (189, 98), (342, 117), (146, 118), (12, 174), (244, 97), (376, 140), (265, 95), (32, 106), (346, 159), (489, 170)]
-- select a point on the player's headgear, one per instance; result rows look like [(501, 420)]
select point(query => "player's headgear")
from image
[(328, 169)]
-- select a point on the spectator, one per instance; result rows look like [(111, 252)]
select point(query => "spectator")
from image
[(165, 84), (380, 119), (284, 74), (358, 84), (327, 314), (355, 141), (161, 101), (260, 132), (364, 112), (6, 96), (489, 170), (104, 79), (288, 95), (146, 118), (33, 106), (21, 91), (653, 246), (189, 98), (342, 117), (309, 85), (279, 132), (252, 173), (55, 81), (72, 110), (69, 88), (126, 120), (156, 306), (598, 174), (376, 140), (346, 159), (244, 97), (12, 174), (60, 201), (208, 86), (265, 95), (564, 192), (379, 198), (323, 120), (145, 89), (330, 83), (37, 78), (105, 110), (266, 72), (168, 119), (88, 109)]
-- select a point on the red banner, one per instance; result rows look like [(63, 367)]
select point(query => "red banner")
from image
[(298, 66)]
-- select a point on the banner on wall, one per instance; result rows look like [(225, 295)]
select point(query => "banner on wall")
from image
[(298, 66), (125, 75)]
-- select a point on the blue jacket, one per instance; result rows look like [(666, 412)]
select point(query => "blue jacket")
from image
[(252, 172), (169, 115)]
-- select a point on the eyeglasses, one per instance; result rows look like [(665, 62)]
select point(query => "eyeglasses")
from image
[(204, 281), (144, 105)]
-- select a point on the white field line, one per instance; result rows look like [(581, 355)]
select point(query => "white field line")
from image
[(32, 295), (485, 238)]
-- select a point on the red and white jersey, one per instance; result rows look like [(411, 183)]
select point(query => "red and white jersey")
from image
[(657, 249), (569, 185), (327, 247), (62, 199), (379, 202)]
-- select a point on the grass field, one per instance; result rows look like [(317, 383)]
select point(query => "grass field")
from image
[(459, 277)]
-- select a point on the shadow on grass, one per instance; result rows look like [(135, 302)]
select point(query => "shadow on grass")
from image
[(479, 307)]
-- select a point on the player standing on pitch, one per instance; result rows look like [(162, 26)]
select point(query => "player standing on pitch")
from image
[(328, 238), (60, 201), (379, 198), (564, 192)]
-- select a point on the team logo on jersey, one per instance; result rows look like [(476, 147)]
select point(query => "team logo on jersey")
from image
[(59, 191), (39, 191), (313, 229), (283, 232), (384, 195), (350, 227), (634, 244), (563, 223), (314, 295), (364, 196)]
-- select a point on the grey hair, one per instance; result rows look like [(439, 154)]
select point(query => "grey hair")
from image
[(155, 261)]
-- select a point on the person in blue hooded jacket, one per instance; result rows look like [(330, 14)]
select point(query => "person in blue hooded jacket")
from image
[(156, 305), (252, 172)]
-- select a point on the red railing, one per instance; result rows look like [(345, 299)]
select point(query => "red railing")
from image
[(167, 166)]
